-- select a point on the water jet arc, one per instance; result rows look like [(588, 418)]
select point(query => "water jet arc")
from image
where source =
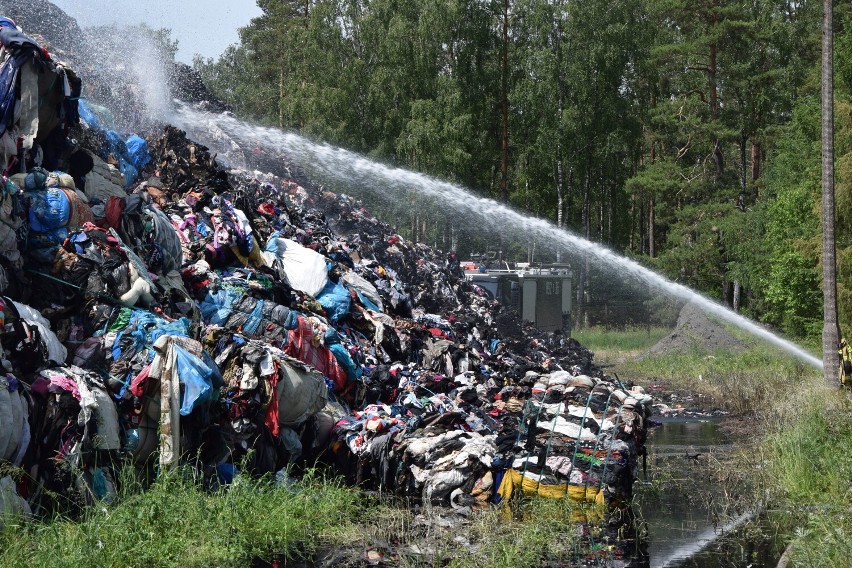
[(329, 162)]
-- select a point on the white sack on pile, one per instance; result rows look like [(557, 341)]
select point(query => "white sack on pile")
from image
[(305, 269)]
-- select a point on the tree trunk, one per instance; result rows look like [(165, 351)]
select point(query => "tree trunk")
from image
[(712, 72), (652, 251), (631, 238), (584, 271), (504, 107), (737, 293), (610, 212), (435, 241), (830, 329), (281, 97), (587, 182), (756, 162)]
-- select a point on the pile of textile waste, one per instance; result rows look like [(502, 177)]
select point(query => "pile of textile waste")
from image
[(156, 309)]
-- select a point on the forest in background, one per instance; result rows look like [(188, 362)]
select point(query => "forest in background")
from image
[(685, 135)]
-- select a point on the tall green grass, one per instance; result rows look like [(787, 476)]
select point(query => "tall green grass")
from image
[(810, 471), (176, 523), (741, 382), (738, 381)]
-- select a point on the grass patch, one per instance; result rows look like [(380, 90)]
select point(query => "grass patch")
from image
[(810, 469), (176, 523), (611, 346), (736, 381)]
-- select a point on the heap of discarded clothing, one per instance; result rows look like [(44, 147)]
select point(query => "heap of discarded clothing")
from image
[(242, 322)]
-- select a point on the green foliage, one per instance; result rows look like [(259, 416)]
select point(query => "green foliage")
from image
[(176, 523), (684, 134)]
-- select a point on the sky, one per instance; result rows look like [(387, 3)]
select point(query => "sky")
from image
[(200, 26)]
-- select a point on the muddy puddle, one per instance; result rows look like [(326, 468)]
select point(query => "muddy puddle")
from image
[(690, 518)]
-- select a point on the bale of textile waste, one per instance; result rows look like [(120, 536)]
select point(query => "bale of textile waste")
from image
[(582, 439), (334, 297), (50, 210), (137, 151), (302, 345), (6, 420), (15, 420), (20, 433), (177, 362), (55, 351), (364, 287), (11, 207)]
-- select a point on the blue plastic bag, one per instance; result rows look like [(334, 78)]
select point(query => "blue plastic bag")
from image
[(137, 151), (195, 376), (335, 299), (50, 210), (116, 146), (87, 114)]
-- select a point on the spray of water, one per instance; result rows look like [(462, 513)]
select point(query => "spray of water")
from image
[(700, 542), (325, 161)]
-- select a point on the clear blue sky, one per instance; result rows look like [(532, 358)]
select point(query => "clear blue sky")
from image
[(200, 26)]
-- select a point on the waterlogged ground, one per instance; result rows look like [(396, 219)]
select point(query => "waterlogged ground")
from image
[(543, 533), (692, 512)]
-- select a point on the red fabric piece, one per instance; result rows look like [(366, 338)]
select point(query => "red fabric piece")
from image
[(438, 333), (320, 358), (113, 211), (137, 385), (271, 418)]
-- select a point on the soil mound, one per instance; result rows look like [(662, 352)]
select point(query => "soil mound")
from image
[(695, 331)]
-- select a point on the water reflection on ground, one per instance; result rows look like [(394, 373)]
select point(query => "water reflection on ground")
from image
[(688, 517)]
